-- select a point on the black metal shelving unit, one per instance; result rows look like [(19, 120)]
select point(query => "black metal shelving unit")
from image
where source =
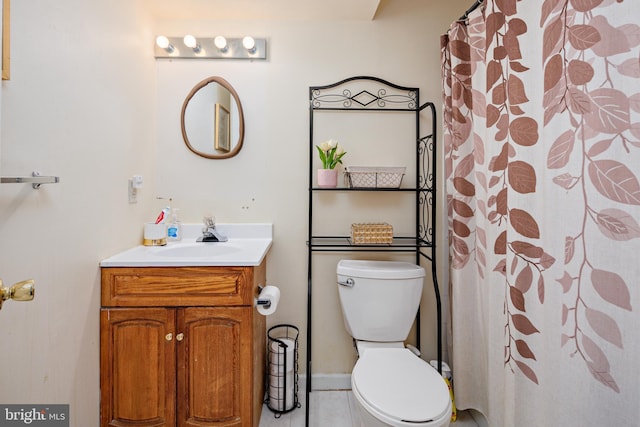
[(366, 93)]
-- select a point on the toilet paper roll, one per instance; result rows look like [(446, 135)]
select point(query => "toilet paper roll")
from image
[(154, 231), (277, 404), (277, 397), (271, 293), (281, 382), (277, 355)]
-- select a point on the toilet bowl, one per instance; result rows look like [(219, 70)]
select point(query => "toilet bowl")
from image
[(394, 387)]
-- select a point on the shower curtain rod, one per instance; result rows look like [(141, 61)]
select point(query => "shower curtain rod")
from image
[(471, 9)]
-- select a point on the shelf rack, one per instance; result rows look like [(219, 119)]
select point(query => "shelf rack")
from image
[(366, 93)]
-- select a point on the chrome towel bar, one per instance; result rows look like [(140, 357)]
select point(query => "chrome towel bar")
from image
[(35, 180)]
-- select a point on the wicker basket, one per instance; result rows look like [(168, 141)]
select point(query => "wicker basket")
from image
[(374, 177), (371, 233)]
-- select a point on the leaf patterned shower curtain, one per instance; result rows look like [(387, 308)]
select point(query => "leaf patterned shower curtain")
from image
[(541, 106)]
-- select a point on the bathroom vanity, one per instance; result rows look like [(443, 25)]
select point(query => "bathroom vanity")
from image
[(182, 344)]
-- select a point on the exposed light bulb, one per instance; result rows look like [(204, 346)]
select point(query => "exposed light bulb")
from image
[(163, 43), (220, 42), (249, 43), (191, 42)]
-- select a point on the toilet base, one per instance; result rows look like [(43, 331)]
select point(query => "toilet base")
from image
[(368, 420)]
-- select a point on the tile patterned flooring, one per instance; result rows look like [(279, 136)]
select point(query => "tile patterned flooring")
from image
[(332, 409)]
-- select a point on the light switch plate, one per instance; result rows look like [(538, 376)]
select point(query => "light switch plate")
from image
[(132, 191)]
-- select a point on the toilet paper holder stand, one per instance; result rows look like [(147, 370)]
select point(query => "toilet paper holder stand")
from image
[(282, 369)]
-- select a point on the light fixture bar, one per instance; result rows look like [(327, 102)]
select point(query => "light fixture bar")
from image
[(208, 49)]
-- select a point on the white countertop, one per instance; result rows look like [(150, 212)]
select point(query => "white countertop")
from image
[(248, 245)]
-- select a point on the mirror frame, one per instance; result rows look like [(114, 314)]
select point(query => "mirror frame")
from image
[(238, 145)]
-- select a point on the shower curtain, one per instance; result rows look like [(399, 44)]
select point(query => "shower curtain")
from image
[(541, 106)]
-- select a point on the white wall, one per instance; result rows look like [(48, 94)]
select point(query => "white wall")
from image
[(1, 52), (267, 181), (88, 102), (81, 105)]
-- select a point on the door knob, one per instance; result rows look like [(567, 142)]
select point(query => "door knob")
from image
[(21, 291)]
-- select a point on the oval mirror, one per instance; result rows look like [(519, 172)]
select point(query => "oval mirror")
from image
[(212, 121)]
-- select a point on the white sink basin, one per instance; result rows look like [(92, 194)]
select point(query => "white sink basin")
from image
[(198, 250), (248, 244)]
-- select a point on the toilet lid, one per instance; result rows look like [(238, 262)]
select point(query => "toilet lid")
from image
[(400, 385)]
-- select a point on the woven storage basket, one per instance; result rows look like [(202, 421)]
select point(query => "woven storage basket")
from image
[(374, 177), (371, 233)]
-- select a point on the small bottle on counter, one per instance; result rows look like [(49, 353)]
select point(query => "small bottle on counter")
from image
[(174, 228)]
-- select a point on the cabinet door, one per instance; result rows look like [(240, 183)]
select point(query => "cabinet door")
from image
[(215, 367), (137, 365)]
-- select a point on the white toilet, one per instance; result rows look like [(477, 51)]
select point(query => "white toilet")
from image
[(392, 385)]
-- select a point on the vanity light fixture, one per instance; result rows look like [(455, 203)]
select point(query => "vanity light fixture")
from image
[(191, 42), (163, 43), (219, 47)]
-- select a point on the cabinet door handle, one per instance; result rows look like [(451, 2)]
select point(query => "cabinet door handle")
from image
[(180, 337), (169, 336)]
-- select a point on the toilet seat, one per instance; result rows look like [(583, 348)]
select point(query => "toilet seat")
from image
[(399, 387)]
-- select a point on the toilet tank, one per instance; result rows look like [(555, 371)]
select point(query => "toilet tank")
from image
[(379, 299)]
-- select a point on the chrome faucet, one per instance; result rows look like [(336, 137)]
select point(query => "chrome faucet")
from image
[(210, 233)]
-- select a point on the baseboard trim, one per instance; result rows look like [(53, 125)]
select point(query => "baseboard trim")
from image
[(327, 382)]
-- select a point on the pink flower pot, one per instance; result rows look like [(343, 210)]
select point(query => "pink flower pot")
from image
[(327, 178)]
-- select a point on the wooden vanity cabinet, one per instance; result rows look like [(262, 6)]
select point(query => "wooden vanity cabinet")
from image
[(181, 346)]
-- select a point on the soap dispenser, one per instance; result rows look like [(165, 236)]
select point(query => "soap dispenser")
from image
[(174, 228)]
